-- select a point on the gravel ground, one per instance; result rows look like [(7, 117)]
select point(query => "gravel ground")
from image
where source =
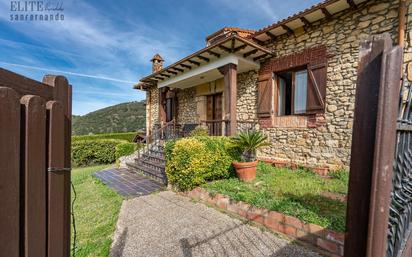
[(166, 224)]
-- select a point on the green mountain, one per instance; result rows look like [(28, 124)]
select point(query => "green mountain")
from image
[(124, 117)]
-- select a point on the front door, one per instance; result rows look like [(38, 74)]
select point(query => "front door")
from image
[(214, 114)]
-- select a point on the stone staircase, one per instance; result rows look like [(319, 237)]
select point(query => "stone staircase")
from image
[(150, 162)]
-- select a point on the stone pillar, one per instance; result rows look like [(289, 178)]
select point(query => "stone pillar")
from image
[(230, 93), (162, 110)]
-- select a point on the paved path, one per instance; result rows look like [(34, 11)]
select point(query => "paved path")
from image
[(166, 224), (127, 183)]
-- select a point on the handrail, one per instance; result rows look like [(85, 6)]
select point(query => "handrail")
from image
[(162, 128), (159, 133)]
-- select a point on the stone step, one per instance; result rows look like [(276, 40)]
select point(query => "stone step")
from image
[(154, 157), (154, 173), (149, 163)]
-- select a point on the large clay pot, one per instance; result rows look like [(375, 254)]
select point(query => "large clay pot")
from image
[(245, 171)]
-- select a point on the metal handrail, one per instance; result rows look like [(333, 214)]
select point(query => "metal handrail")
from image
[(157, 135)]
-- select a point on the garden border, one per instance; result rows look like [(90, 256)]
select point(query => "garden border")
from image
[(326, 240)]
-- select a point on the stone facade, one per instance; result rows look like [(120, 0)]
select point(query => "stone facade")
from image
[(329, 144), (314, 140), (152, 108), (187, 106)]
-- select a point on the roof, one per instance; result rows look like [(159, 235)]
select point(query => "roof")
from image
[(312, 14), (243, 41), (232, 44), (231, 29)]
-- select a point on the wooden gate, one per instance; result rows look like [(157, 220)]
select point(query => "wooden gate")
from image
[(371, 221), (35, 133)]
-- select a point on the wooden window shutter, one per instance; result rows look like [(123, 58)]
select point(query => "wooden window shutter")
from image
[(316, 88), (265, 96)]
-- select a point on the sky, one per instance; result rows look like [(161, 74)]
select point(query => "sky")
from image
[(104, 47)]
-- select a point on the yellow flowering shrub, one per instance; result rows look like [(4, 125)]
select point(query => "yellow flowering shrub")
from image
[(195, 160)]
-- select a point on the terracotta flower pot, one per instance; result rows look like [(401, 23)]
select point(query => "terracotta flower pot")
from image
[(245, 171)]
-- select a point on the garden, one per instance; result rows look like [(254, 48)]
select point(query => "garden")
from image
[(96, 207), (208, 162)]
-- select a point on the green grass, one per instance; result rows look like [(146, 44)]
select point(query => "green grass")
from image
[(96, 211), (295, 193), (128, 136)]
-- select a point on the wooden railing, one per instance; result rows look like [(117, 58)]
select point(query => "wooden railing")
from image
[(216, 127), (167, 131)]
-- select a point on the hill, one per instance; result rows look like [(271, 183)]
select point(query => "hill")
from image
[(123, 117)]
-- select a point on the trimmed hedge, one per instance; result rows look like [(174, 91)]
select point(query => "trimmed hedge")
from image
[(195, 160), (102, 151), (128, 136), (124, 149)]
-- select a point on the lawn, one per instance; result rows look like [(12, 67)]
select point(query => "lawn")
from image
[(295, 193), (96, 210)]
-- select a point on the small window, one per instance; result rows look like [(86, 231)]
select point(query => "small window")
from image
[(292, 92)]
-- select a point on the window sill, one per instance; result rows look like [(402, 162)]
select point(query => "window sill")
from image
[(290, 121), (293, 121)]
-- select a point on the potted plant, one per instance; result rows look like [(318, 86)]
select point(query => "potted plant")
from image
[(248, 142)]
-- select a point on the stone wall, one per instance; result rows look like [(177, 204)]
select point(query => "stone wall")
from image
[(187, 106), (327, 145), (152, 107)]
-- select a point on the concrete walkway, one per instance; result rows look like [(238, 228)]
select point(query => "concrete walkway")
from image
[(166, 224)]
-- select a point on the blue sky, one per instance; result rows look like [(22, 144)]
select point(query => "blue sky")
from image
[(103, 47)]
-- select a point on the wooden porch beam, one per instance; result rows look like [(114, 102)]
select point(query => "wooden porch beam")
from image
[(213, 53), (250, 53), (232, 46), (326, 12), (271, 35), (304, 21), (164, 75), (194, 62), (289, 30), (171, 72), (177, 69), (239, 48), (259, 57), (258, 41), (159, 78), (186, 66), (203, 58), (224, 48)]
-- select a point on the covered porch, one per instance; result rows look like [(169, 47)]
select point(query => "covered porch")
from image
[(201, 89)]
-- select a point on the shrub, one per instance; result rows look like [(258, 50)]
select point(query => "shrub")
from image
[(124, 149), (92, 152), (199, 132), (128, 136), (248, 142), (193, 161)]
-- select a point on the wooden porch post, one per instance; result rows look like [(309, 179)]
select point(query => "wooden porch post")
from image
[(230, 88), (162, 110)]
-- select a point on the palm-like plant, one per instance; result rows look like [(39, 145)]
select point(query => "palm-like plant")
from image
[(248, 142)]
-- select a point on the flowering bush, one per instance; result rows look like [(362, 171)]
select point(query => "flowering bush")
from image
[(193, 161)]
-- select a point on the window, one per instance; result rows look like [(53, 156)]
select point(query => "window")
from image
[(292, 92)]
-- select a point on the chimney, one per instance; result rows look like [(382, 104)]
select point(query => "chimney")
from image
[(157, 63)]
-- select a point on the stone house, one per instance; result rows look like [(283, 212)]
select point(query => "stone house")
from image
[(294, 80)]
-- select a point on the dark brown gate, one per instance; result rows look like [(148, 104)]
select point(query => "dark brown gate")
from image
[(374, 141), (35, 129)]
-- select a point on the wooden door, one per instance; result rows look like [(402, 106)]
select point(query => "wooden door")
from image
[(214, 114)]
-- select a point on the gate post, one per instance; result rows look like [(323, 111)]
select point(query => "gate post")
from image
[(373, 147), (62, 93)]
